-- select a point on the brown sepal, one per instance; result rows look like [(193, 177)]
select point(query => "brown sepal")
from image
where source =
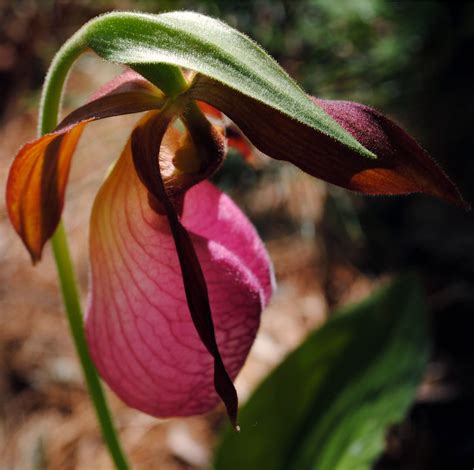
[(38, 175), (401, 167), (36, 185)]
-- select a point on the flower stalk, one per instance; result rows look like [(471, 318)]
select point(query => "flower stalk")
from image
[(74, 315)]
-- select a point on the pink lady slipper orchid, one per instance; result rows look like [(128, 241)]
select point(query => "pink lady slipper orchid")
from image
[(155, 275), (179, 276)]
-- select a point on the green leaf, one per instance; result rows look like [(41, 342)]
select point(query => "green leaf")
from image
[(328, 404), (206, 45)]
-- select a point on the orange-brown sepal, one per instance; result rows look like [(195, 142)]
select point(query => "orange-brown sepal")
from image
[(36, 186), (38, 176)]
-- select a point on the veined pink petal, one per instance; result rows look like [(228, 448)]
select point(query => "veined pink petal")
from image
[(140, 332), (246, 244)]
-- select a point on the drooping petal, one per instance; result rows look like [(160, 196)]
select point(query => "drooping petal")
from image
[(401, 167), (36, 185), (39, 173), (146, 140), (139, 328)]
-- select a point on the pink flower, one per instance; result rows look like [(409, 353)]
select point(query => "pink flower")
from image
[(179, 275), (138, 324)]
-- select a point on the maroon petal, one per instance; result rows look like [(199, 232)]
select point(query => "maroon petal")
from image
[(402, 166), (146, 141), (128, 93)]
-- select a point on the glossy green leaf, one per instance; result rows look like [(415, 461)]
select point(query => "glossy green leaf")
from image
[(151, 43), (327, 406)]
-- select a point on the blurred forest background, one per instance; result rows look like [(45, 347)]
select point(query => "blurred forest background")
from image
[(411, 60)]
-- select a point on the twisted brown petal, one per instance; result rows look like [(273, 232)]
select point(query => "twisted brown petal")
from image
[(146, 142)]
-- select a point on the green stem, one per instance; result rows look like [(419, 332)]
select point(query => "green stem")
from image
[(74, 316), (50, 103), (167, 77)]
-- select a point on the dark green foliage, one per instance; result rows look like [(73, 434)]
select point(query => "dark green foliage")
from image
[(327, 406)]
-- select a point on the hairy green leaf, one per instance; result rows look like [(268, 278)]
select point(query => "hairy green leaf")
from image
[(328, 404), (148, 43)]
